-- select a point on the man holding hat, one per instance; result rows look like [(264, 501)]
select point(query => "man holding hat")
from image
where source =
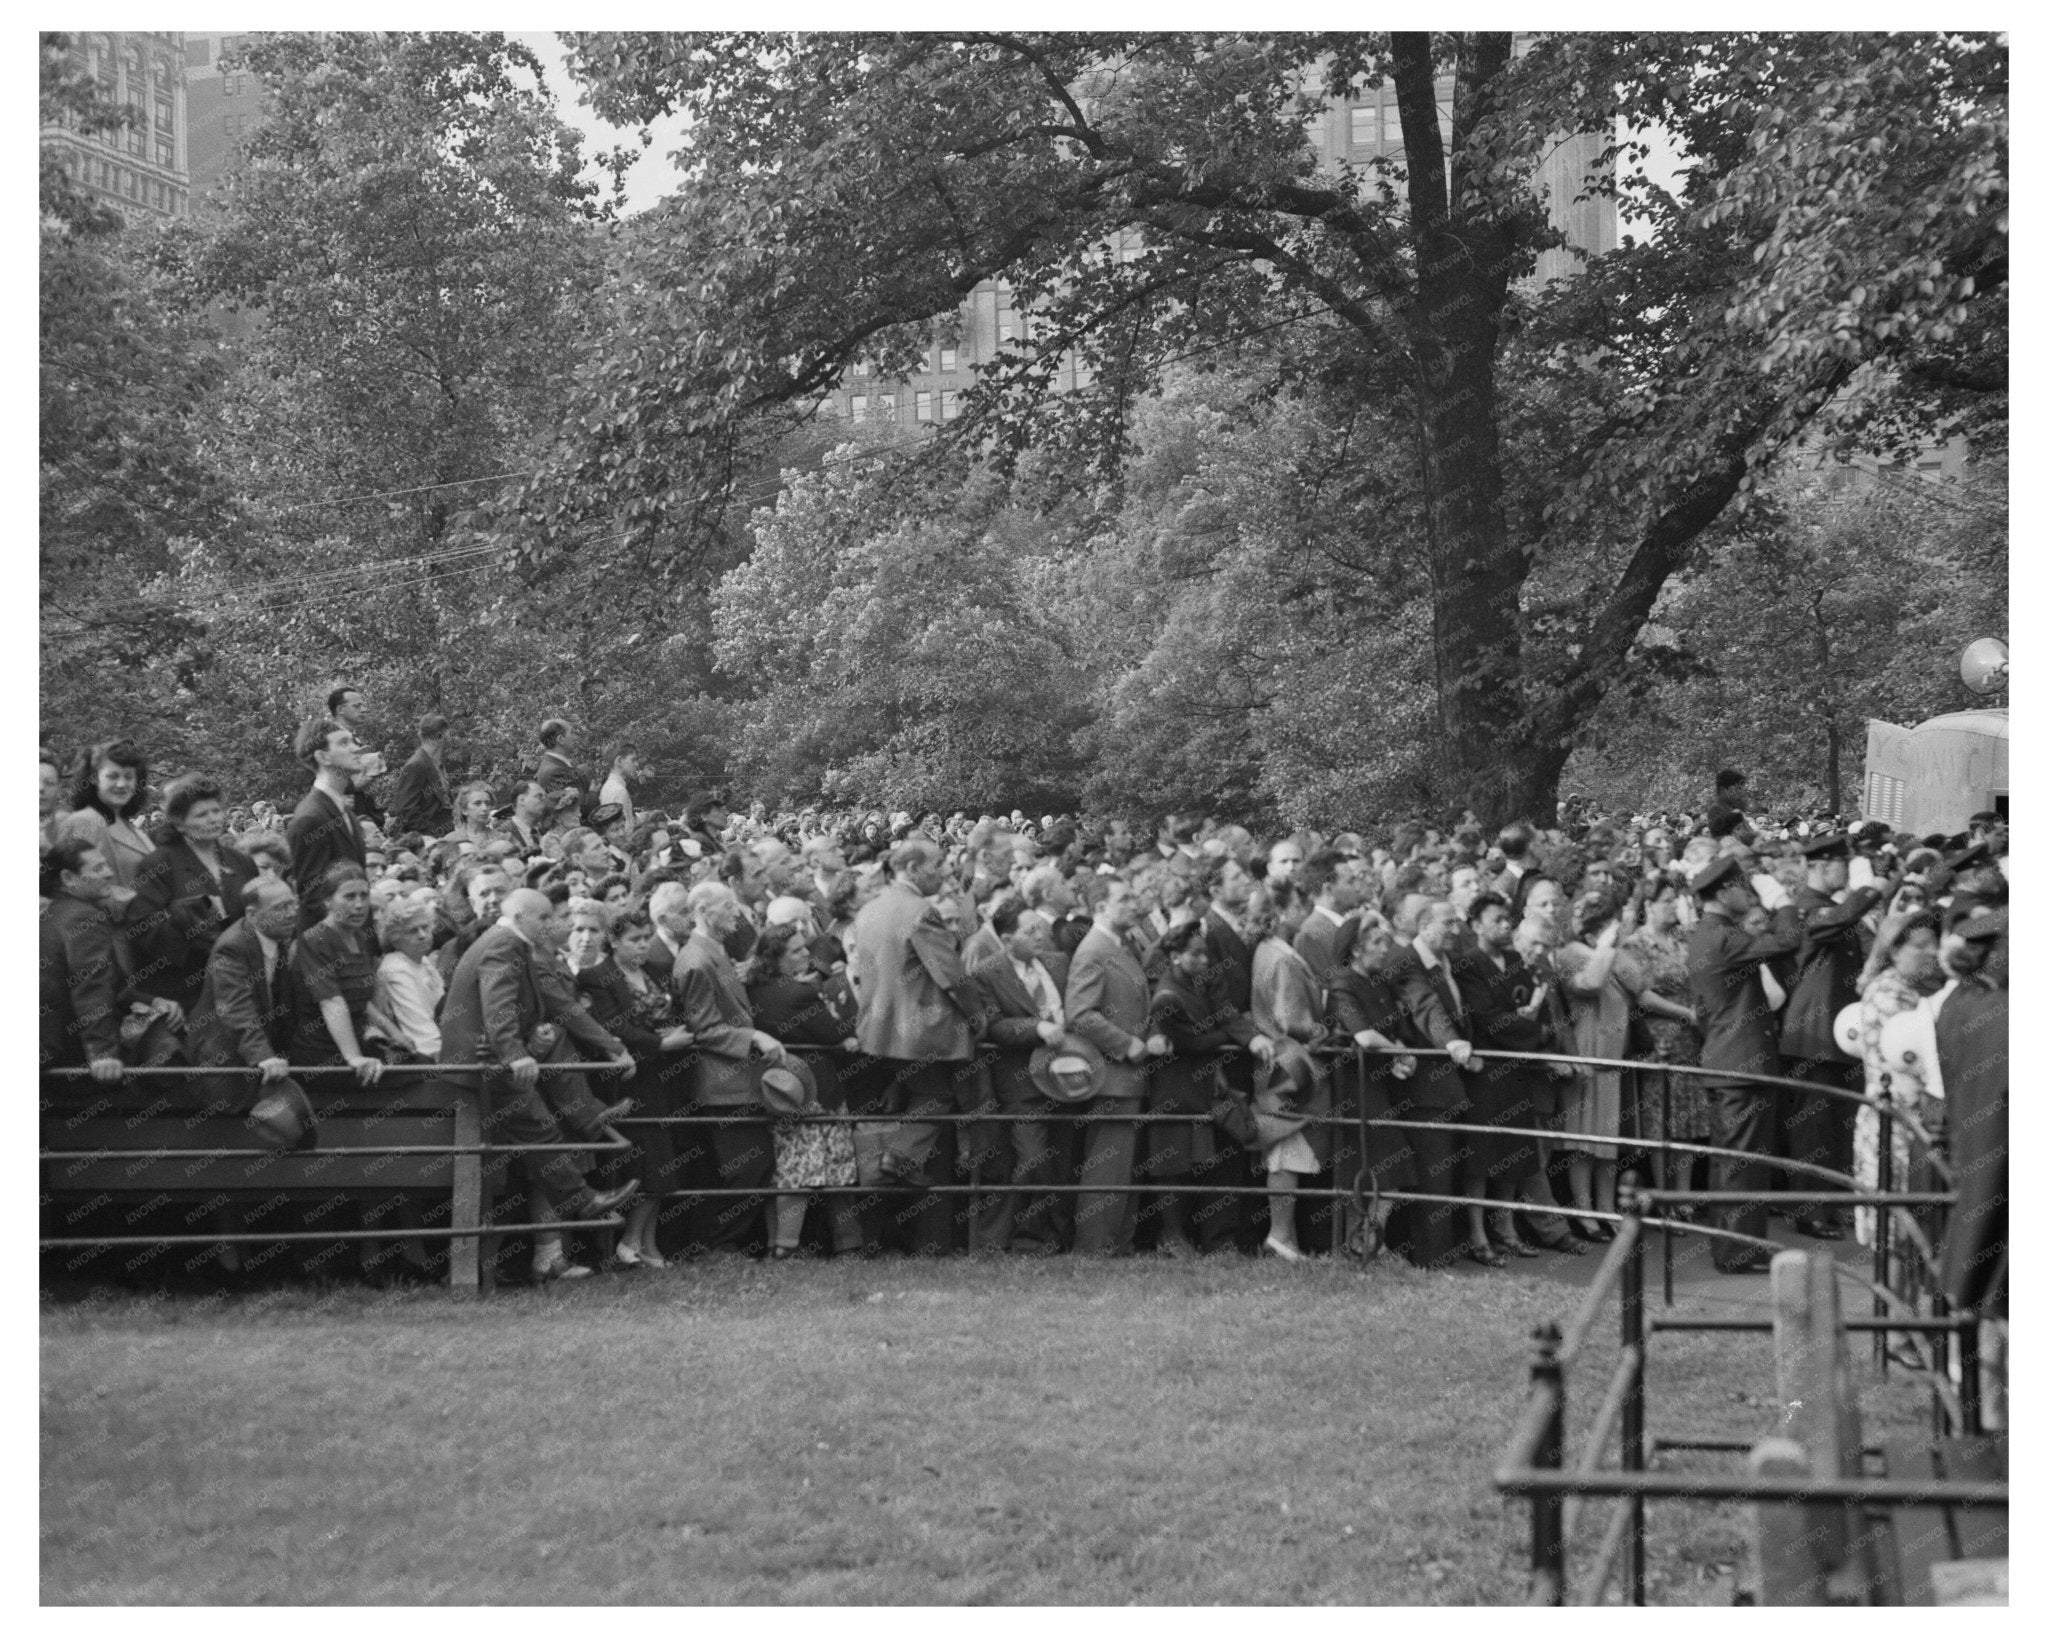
[(1724, 966), (1819, 1129)]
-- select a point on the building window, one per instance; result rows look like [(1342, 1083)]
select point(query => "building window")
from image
[(1003, 330), (163, 154), (163, 114), (861, 368), (949, 404), (860, 406), (1365, 128), (924, 406), (949, 358), (885, 403)]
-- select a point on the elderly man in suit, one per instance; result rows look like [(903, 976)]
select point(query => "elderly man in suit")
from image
[(1109, 1004), (740, 1149), (244, 1013), (1436, 1014), (903, 961), (492, 1014), (419, 790), (1022, 1011), (1739, 1033), (322, 830)]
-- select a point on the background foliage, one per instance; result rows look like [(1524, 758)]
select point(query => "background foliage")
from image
[(415, 408)]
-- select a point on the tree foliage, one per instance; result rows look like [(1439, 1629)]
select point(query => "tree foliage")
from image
[(1146, 195)]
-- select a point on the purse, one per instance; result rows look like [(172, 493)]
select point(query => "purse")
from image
[(1233, 1117)]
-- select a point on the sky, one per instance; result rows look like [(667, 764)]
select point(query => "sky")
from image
[(652, 175)]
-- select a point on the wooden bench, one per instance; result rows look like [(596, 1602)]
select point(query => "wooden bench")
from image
[(1833, 1552), (133, 1149)]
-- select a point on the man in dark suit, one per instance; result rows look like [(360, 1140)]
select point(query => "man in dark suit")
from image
[(323, 831), (1819, 1129), (1222, 1218), (555, 773), (1435, 1014), (419, 793), (1740, 1034), (1022, 1011), (668, 907), (530, 808), (740, 1150), (1109, 1004), (485, 890), (904, 964), (1324, 941), (494, 1007), (244, 1012), (82, 995), (1972, 1044)]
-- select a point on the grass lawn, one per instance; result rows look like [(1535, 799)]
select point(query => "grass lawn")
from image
[(830, 1433)]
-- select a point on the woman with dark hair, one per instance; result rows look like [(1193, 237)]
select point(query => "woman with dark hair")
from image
[(639, 1010), (1190, 1081), (109, 792), (1363, 1005), (334, 973), (791, 1005), (187, 892)]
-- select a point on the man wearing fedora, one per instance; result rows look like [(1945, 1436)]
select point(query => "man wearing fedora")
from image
[(1109, 1005), (1740, 1033), (903, 961)]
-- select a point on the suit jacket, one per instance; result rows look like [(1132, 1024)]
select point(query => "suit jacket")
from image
[(554, 770), (661, 962), (1431, 1016), (1109, 1004), (1722, 964), (1494, 996), (716, 1011), (1356, 1001), (1971, 1041), (241, 1016), (1006, 1022), (1325, 944), (172, 923), (1068, 932), (419, 796), (1824, 972), (319, 835), (494, 1003), (527, 841), (1230, 963), (904, 963), (81, 992), (567, 1007)]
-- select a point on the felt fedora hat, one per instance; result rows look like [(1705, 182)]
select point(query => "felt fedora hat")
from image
[(283, 1118), (1072, 1072), (789, 1088)]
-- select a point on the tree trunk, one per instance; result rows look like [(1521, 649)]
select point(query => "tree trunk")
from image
[(1463, 260)]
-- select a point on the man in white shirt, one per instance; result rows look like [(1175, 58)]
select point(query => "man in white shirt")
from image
[(618, 784)]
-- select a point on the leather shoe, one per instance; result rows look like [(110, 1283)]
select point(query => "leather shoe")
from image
[(560, 1269), (1485, 1257), (1520, 1248), (1817, 1228), (603, 1202)]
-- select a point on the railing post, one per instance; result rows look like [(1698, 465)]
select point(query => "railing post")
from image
[(1633, 1410), (1670, 1159), (1971, 1393), (1546, 1508), (1881, 1247)]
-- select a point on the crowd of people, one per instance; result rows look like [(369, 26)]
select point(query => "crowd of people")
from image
[(1066, 1035)]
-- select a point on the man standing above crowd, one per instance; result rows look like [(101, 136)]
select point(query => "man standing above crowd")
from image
[(555, 772), (419, 791), (617, 788), (323, 830), (904, 964), (1324, 942)]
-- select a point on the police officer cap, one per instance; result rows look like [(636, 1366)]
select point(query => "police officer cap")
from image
[(1833, 846), (1718, 875), (1981, 923), (1977, 853)]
